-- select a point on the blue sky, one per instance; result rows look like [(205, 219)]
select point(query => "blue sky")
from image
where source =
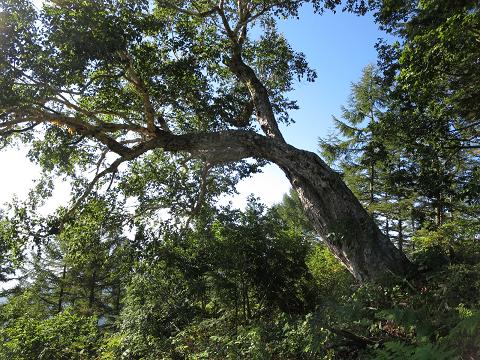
[(338, 46)]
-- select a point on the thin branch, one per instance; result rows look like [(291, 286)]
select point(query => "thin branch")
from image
[(101, 159), (131, 141), (183, 163), (252, 17), (476, 123), (112, 168), (111, 180), (139, 84), (360, 341), (76, 142), (464, 147), (16, 131)]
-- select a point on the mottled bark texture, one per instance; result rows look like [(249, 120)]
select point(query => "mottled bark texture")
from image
[(338, 217)]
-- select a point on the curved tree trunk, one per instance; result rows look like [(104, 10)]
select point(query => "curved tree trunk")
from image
[(336, 214)]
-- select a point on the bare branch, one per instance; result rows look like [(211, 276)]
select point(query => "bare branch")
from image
[(112, 168), (131, 141), (468, 126), (16, 131), (76, 142), (101, 159)]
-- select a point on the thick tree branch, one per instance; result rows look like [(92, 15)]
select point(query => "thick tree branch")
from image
[(75, 124), (245, 74), (260, 97), (226, 25), (84, 128)]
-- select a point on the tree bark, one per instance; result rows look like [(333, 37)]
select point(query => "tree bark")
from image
[(336, 214), (92, 285), (400, 234), (339, 218), (372, 182), (439, 211)]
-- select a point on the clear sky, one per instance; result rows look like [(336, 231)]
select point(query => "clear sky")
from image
[(337, 46)]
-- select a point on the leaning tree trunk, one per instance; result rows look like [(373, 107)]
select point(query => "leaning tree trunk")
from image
[(339, 218), (336, 214)]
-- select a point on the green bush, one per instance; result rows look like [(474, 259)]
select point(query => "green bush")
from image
[(65, 336)]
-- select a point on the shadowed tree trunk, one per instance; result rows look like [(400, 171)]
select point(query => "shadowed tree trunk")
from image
[(344, 225), (400, 234), (336, 214)]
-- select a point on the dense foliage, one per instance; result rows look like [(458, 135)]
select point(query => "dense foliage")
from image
[(150, 266), (236, 284)]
